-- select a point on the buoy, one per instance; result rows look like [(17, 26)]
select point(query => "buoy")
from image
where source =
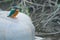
[(16, 29)]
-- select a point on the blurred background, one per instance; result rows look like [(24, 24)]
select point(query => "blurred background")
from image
[(45, 14)]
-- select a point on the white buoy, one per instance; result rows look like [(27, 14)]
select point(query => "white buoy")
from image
[(20, 28)]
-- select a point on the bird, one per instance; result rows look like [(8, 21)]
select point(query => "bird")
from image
[(14, 11), (11, 12)]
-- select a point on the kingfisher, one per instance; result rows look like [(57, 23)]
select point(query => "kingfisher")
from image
[(14, 12)]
